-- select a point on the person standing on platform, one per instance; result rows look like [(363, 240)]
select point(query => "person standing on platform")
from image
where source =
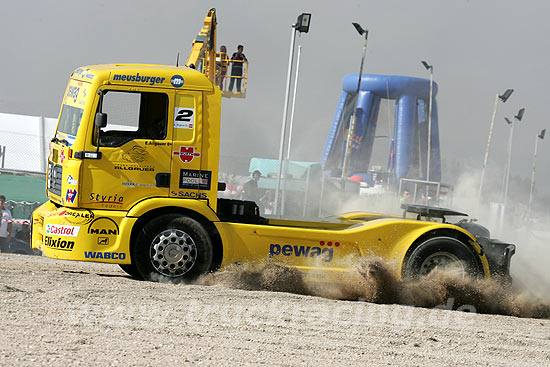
[(238, 59)]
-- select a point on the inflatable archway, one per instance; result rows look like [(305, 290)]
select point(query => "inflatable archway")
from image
[(409, 148)]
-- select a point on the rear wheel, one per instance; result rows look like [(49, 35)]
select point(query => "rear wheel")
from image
[(443, 253), (172, 247)]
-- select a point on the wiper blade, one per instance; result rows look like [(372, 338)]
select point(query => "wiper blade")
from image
[(61, 141)]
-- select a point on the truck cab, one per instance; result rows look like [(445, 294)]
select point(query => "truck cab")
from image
[(161, 140)]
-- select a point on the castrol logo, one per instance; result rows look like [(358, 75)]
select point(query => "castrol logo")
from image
[(62, 230)]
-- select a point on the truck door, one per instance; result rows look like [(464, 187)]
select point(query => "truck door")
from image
[(187, 177), (135, 149)]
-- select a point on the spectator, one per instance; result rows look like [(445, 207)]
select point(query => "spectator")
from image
[(406, 198), (223, 62), (238, 59), (5, 225), (24, 234), (251, 191)]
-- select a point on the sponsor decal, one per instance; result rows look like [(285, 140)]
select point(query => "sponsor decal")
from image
[(57, 213), (71, 180), (187, 154), (184, 118), (105, 229), (62, 136), (190, 194), (157, 143), (72, 92), (78, 217), (58, 243), (133, 184), (324, 253), (177, 81), (136, 154), (70, 196), (62, 230), (195, 179), (71, 138), (84, 74), (125, 167), (107, 200), (151, 80), (62, 156), (104, 255)]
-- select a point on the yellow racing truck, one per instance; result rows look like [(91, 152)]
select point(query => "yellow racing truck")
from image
[(133, 180)]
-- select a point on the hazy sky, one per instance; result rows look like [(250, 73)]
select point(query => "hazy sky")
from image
[(478, 48)]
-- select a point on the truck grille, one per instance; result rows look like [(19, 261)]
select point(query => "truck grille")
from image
[(54, 178)]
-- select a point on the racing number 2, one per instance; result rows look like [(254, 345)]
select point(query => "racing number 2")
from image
[(184, 118), (185, 115)]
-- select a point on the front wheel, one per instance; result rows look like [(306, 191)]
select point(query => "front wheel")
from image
[(446, 254), (131, 270), (172, 247)]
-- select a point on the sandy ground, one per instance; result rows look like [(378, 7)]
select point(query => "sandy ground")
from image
[(72, 313)]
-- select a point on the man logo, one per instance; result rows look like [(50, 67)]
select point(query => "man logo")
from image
[(103, 227), (177, 81)]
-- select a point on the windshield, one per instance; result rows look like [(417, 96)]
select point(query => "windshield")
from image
[(70, 120), (77, 97)]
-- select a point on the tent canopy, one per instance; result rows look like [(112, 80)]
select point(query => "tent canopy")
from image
[(23, 188)]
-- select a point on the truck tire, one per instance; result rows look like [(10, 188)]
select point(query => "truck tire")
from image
[(131, 270), (445, 253), (172, 247)]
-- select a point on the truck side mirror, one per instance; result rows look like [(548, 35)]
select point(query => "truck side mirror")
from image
[(100, 119)]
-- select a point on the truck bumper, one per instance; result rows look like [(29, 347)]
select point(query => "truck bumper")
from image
[(499, 255), (82, 234)]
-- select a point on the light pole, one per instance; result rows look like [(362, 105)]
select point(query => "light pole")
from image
[(430, 68), (541, 137), (503, 97), (302, 26), (292, 109), (351, 129), (517, 117)]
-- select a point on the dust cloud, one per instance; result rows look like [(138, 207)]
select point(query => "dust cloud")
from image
[(267, 276), (529, 231), (372, 280)]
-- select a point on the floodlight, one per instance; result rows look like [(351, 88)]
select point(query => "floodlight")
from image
[(427, 66), (519, 116), (302, 24), (359, 29), (504, 97)]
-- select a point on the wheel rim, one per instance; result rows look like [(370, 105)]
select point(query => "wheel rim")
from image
[(173, 253), (445, 261)]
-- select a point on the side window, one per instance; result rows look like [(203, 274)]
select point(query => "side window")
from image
[(133, 115)]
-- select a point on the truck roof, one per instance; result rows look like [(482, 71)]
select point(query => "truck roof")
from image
[(162, 76)]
